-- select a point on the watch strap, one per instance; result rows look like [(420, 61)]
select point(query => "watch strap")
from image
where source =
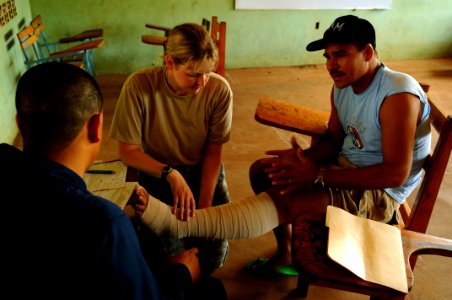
[(165, 172)]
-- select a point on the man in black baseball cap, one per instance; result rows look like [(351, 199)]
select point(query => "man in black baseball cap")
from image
[(346, 29), (378, 123)]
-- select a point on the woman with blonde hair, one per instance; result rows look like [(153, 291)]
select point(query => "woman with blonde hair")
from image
[(171, 122)]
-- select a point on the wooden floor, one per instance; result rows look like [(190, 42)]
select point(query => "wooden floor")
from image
[(249, 140)]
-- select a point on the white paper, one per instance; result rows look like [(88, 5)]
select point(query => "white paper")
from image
[(119, 196), (370, 249), (97, 182)]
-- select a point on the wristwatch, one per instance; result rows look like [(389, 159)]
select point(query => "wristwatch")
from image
[(165, 172), (319, 181)]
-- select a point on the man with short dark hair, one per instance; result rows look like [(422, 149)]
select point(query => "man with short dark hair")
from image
[(59, 241)]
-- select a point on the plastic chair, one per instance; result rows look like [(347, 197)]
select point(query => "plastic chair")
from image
[(33, 54), (87, 41), (309, 233)]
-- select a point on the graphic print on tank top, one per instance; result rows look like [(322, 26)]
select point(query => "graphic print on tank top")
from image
[(354, 127)]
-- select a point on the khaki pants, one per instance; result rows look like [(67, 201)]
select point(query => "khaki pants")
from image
[(375, 205)]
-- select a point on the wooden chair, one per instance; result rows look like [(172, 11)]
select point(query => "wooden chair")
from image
[(152, 39), (309, 233), (217, 31), (86, 42)]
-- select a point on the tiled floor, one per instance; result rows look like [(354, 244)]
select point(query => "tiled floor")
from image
[(311, 86)]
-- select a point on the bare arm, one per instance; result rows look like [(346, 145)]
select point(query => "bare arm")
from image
[(211, 163), (133, 156)]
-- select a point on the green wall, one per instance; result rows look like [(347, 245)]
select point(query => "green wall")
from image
[(411, 29), (12, 67)]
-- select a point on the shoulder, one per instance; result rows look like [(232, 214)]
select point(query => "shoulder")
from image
[(72, 194), (397, 80), (218, 88), (9, 154), (104, 208), (13, 168), (219, 78), (219, 81), (145, 76)]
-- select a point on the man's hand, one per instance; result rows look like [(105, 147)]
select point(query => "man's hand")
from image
[(139, 200), (290, 169), (190, 260)]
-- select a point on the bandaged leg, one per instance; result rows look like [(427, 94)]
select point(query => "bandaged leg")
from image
[(244, 219)]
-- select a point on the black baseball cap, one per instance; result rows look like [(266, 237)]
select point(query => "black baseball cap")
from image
[(346, 29)]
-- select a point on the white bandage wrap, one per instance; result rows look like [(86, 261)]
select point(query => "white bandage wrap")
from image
[(243, 219)]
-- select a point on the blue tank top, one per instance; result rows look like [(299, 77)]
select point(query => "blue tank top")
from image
[(358, 114)]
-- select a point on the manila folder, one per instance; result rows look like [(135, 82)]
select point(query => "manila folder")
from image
[(372, 250)]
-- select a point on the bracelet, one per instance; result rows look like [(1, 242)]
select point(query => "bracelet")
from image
[(319, 181)]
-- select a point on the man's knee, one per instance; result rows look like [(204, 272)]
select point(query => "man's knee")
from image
[(212, 254), (258, 178)]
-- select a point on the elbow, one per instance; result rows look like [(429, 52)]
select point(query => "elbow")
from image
[(126, 150), (396, 183), (398, 179), (396, 172), (122, 154)]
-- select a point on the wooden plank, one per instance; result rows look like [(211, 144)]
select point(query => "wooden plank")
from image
[(291, 116)]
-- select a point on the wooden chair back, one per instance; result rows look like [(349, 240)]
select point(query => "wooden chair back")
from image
[(417, 216), (218, 33)]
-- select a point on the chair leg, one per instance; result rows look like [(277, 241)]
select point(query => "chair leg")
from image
[(90, 63), (302, 288)]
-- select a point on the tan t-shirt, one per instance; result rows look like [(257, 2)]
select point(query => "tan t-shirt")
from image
[(172, 129)]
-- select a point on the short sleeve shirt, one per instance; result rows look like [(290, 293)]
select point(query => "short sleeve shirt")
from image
[(172, 129)]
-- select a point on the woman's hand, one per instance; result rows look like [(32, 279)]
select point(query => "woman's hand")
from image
[(184, 205)]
